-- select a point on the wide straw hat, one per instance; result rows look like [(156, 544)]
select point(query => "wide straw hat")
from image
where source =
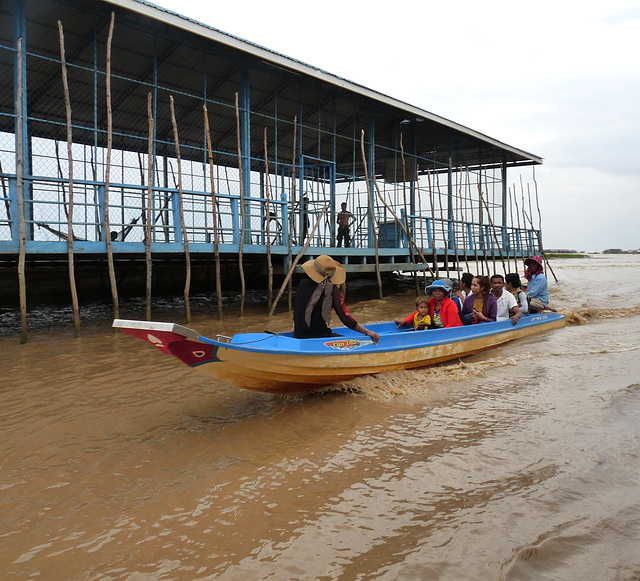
[(437, 285), (322, 266)]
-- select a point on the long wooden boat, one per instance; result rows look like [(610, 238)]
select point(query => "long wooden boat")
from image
[(279, 363)]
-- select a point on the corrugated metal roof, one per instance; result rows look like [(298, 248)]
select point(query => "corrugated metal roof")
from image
[(190, 25)]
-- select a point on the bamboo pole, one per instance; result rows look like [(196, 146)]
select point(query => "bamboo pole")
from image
[(399, 222), (149, 220), (371, 214), (424, 276), (515, 254), (214, 210), (433, 226), (107, 224), (242, 214), (22, 229), (535, 183), (515, 201), (444, 236), (544, 256), (493, 231), (268, 223), (292, 201), (475, 245), (67, 106), (185, 238), (462, 221), (289, 276), (406, 210)]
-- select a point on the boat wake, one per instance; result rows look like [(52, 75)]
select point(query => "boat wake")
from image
[(582, 315), (384, 387)]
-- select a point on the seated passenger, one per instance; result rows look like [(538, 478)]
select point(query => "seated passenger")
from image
[(537, 287), (465, 286), (317, 295), (442, 310), (507, 305), (513, 284), (420, 320), (480, 306)]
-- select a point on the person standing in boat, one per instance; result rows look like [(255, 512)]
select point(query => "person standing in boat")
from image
[(442, 309), (317, 295), (537, 287), (480, 306)]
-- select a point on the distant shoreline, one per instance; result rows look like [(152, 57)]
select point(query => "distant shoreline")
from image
[(565, 255)]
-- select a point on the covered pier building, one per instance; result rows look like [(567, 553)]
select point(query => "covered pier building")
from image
[(282, 146)]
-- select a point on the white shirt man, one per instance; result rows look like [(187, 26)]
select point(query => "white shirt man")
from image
[(507, 304)]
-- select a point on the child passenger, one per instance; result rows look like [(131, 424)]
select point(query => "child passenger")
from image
[(420, 319)]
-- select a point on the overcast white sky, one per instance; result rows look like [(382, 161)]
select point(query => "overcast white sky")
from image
[(556, 78)]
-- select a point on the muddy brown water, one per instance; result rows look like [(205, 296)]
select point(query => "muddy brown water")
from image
[(118, 462)]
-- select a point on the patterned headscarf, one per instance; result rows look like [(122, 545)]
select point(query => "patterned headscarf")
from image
[(529, 273), (324, 289)]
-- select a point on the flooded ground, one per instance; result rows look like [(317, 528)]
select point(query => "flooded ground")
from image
[(519, 463)]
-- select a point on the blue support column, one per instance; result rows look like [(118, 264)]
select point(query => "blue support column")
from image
[(21, 124), (177, 223), (101, 213)]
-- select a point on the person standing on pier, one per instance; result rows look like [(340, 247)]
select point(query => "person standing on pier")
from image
[(345, 219)]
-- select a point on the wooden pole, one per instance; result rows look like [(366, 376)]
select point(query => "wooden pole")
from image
[(535, 183), (371, 214), (67, 106), (214, 210), (433, 226), (185, 238), (107, 224), (292, 202), (462, 220), (515, 201), (268, 223), (493, 231), (514, 227), (399, 222), (242, 216), (475, 245), (22, 229), (544, 256), (287, 279), (149, 221), (444, 236), (406, 210), (424, 276)]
